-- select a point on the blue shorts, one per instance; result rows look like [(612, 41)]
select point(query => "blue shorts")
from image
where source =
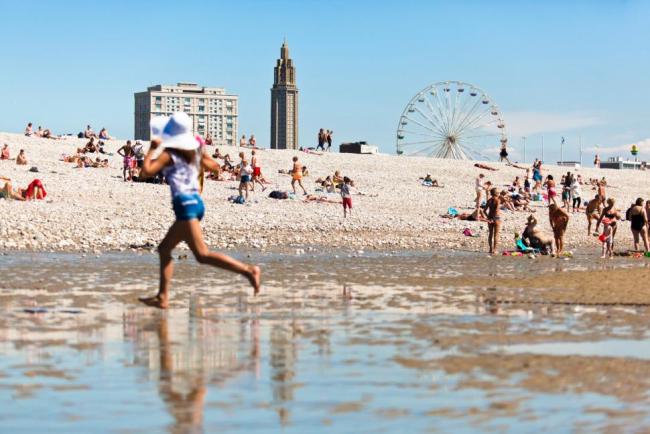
[(245, 179), (188, 206)]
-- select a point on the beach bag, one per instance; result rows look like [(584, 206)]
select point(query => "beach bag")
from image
[(80, 135), (239, 200), (275, 194)]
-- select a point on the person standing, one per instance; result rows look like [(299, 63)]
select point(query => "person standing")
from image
[(257, 171), (639, 224), (559, 220), (321, 140), (296, 175), (494, 220), (243, 141), (597, 161), (252, 142), (328, 138), (479, 190), (127, 154), (245, 173), (346, 196), (551, 189), (576, 194)]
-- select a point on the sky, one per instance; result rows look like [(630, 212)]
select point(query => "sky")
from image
[(577, 69)]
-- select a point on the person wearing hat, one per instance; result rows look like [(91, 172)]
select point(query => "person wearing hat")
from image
[(179, 158)]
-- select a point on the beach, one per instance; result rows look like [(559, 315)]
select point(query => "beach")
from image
[(93, 210)]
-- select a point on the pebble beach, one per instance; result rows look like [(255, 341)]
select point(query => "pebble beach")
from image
[(94, 210)]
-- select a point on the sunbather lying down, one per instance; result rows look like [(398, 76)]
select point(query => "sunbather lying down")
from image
[(478, 215), (484, 166), (34, 190), (321, 199)]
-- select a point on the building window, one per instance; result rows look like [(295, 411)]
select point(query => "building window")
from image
[(201, 108)]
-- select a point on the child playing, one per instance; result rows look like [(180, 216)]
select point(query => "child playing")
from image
[(180, 161), (346, 196), (607, 239)]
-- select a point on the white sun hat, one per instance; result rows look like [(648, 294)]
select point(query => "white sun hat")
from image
[(157, 124), (177, 133)]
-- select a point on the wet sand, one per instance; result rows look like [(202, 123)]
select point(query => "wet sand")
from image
[(403, 343)]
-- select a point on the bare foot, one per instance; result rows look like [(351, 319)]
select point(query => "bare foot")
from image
[(254, 277), (155, 301)]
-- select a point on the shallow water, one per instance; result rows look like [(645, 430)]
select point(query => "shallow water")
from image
[(373, 343)]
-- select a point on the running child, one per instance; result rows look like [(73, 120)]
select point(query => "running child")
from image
[(179, 162)]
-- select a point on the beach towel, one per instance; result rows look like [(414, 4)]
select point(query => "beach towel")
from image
[(452, 212)]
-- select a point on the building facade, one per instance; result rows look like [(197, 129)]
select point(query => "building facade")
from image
[(284, 103), (211, 109)]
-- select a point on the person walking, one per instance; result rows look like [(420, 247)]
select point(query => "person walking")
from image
[(296, 176), (257, 171), (321, 140), (328, 139)]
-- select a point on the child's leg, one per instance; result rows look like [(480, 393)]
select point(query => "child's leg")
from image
[(194, 238), (302, 186), (293, 185), (171, 240)]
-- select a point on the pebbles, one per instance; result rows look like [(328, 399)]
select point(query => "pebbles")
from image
[(94, 210)]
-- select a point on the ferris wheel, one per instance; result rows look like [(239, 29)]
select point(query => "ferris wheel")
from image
[(451, 119)]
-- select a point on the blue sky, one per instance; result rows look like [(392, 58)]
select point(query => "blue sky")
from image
[(555, 68)]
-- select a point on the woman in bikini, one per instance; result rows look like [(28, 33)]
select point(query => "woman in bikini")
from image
[(608, 217), (551, 189), (639, 224), (179, 162)]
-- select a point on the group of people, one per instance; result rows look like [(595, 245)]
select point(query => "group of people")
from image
[(601, 210), (40, 132), (324, 138), (5, 154), (89, 133)]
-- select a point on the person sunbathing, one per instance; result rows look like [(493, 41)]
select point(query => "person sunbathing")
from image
[(4, 154), (534, 237), (478, 215), (103, 134), (33, 191), (320, 199), (337, 178), (7, 191), (486, 167), (21, 159), (428, 181), (506, 201)]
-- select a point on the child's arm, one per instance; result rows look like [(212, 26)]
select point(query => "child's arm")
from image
[(151, 167), (120, 153), (208, 163)]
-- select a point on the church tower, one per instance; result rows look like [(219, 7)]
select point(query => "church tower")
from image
[(284, 103)]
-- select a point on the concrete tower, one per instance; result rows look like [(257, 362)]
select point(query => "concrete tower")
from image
[(284, 103)]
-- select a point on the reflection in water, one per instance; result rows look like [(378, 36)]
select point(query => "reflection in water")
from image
[(283, 364), (183, 352)]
